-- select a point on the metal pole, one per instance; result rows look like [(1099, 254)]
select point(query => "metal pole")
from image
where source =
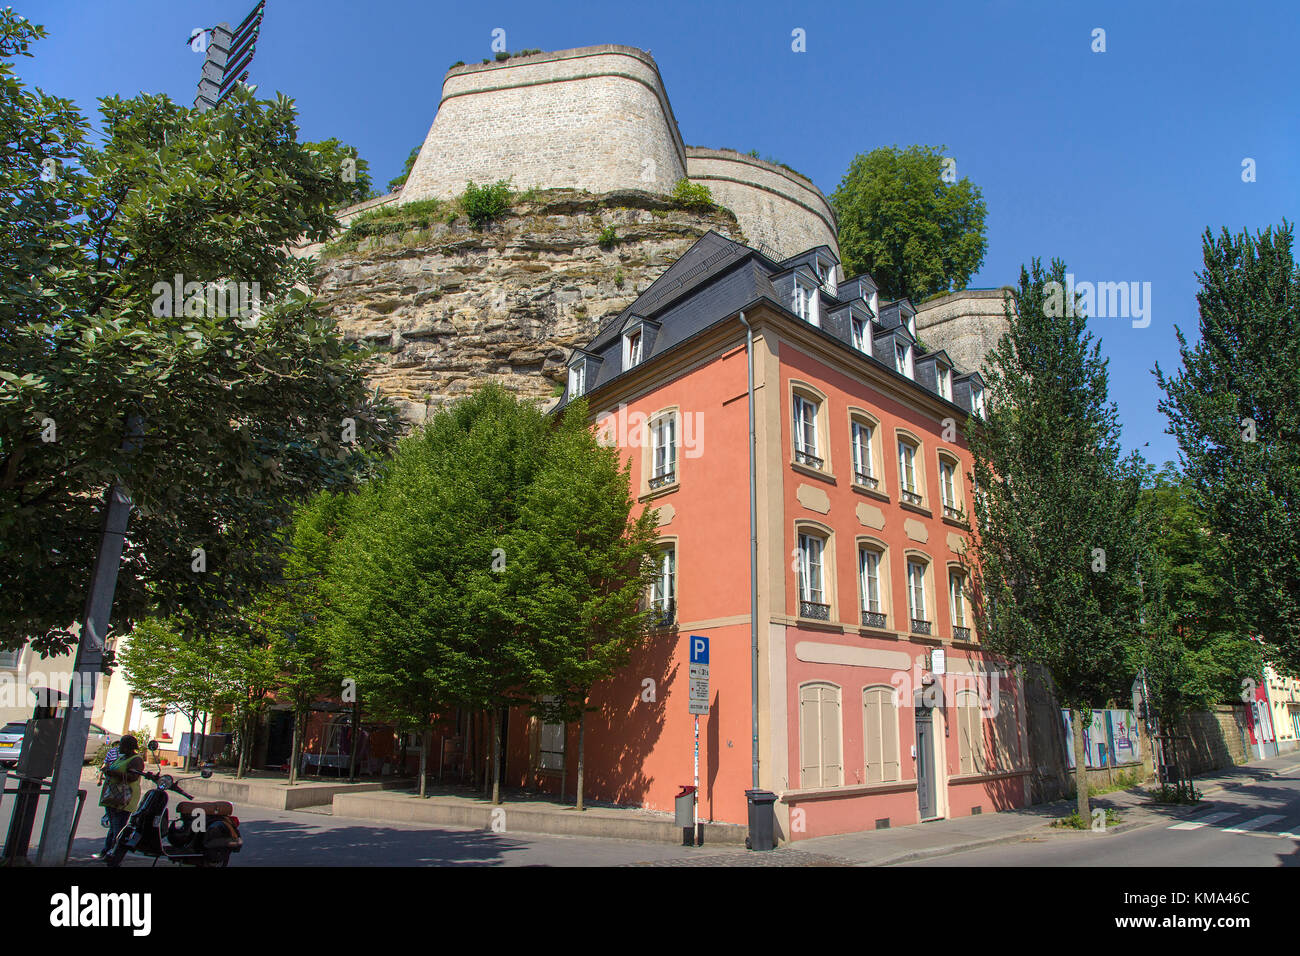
[(695, 803), (60, 812), (753, 555)]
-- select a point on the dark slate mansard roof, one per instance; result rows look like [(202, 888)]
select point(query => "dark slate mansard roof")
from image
[(717, 278)]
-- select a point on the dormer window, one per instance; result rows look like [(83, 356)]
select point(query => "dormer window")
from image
[(577, 379), (903, 359), (632, 341), (910, 321), (861, 334), (943, 377), (805, 303), (977, 400), (826, 274)]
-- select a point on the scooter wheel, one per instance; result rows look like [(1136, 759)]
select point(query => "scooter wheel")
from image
[(116, 855), (216, 859)]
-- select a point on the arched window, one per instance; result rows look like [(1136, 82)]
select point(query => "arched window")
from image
[(873, 583), (919, 600), (880, 734), (821, 763), (950, 487)]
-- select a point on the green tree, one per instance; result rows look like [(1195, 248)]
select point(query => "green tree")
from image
[(905, 218), (1056, 538), (1193, 651), (1234, 408), (241, 415), (171, 673), (399, 181), (578, 568), (353, 171)]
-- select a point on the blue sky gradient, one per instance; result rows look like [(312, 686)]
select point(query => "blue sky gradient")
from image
[(1115, 162)]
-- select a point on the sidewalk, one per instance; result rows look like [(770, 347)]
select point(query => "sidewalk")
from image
[(942, 837)]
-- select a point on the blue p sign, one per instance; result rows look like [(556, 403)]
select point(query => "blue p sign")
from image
[(699, 649)]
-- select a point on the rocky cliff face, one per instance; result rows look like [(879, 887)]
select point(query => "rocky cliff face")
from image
[(454, 306)]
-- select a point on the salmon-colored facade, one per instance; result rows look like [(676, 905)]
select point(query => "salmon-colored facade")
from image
[(856, 728)]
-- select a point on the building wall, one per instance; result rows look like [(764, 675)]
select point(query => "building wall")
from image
[(1284, 696), (967, 325), (852, 657), (595, 118), (778, 208), (30, 671)]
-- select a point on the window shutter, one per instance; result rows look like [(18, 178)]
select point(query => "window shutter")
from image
[(809, 738), (832, 772)]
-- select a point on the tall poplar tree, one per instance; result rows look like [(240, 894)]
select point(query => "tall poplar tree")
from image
[(1056, 540), (1234, 408)]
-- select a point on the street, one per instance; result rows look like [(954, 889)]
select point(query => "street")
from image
[(1249, 824)]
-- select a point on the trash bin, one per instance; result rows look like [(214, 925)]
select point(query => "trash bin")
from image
[(684, 814), (762, 819)]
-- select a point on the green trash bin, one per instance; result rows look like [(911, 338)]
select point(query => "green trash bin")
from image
[(762, 820)]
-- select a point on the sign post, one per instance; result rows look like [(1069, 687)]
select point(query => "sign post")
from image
[(699, 704)]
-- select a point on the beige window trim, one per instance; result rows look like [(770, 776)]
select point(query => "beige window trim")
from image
[(878, 470), (827, 536), (822, 424)]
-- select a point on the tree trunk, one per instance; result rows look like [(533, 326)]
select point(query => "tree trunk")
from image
[(582, 743), (356, 739), (467, 761), (497, 716), (486, 717), (424, 761), (294, 756), (1081, 764), (244, 735), (203, 738)]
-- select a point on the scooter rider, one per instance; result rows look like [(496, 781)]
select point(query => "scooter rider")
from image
[(121, 792)]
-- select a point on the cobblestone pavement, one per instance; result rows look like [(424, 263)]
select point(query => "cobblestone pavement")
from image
[(780, 857)]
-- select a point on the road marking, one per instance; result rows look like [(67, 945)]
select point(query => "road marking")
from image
[(1255, 824), (1202, 821)]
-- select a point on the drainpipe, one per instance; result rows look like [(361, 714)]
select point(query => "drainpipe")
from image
[(753, 552)]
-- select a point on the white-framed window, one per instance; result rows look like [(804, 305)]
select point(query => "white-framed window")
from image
[(826, 273), (944, 374), (948, 486), (903, 359), (916, 589), (957, 598), (907, 468), (880, 735), (811, 550), (821, 762), (910, 322), (869, 577), (861, 334), (663, 590), (577, 379), (977, 400), (663, 441), (632, 348), (805, 431), (805, 303), (863, 470)]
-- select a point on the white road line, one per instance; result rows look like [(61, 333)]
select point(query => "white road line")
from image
[(1203, 821), (1255, 824)]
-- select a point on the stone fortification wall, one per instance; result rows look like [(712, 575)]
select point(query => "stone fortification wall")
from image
[(595, 118), (774, 206), (967, 325)]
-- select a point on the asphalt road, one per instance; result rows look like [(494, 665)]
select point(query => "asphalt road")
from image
[(1250, 824)]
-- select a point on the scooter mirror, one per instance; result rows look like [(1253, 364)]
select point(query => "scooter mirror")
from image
[(153, 745), (206, 771)]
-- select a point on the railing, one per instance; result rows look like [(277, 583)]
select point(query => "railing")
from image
[(911, 497), (961, 633), (865, 480), (956, 514), (919, 626), (818, 612), (873, 619), (806, 458), (662, 613), (666, 478)]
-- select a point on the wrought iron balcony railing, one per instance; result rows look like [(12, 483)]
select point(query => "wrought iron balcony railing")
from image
[(956, 514), (662, 613), (961, 633), (814, 610), (809, 459), (663, 479), (873, 619), (865, 480), (911, 497), (919, 626)]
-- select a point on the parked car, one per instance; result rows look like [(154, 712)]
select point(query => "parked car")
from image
[(11, 742)]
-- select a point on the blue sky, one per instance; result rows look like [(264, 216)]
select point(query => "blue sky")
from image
[(1115, 161)]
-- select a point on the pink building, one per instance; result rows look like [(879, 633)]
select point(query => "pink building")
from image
[(876, 705)]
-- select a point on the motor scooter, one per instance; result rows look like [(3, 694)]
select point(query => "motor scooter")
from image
[(205, 833)]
